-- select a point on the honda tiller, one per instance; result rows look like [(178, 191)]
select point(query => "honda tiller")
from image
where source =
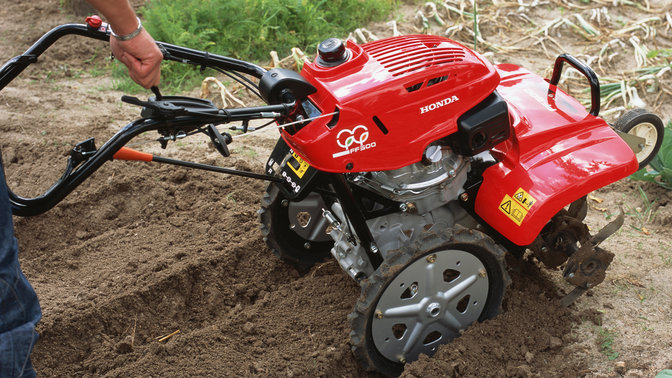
[(411, 160)]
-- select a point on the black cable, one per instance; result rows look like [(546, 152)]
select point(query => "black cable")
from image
[(240, 76), (264, 125), (252, 87)]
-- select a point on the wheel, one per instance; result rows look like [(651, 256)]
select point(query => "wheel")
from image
[(424, 295), (643, 124), (295, 231)]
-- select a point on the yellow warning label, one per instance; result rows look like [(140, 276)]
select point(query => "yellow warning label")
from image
[(299, 167), (514, 210), (517, 207), (524, 198)]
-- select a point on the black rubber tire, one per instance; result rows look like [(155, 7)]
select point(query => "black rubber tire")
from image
[(478, 244), (284, 242), (627, 122)]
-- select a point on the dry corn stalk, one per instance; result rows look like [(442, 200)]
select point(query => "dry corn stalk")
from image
[(212, 87)]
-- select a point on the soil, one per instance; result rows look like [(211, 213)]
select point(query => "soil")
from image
[(149, 270)]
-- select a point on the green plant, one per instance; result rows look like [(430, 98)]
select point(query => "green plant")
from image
[(605, 339), (661, 165), (246, 151), (644, 214), (666, 258), (250, 29), (667, 373), (664, 53)]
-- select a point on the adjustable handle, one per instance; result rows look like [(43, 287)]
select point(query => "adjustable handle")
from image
[(586, 71)]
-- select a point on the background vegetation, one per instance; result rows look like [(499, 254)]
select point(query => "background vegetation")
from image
[(250, 29)]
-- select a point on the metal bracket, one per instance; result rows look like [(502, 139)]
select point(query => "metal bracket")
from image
[(83, 151), (633, 141)]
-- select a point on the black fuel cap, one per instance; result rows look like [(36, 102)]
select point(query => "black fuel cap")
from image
[(331, 52)]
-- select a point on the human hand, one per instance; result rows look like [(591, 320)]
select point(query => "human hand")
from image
[(142, 57)]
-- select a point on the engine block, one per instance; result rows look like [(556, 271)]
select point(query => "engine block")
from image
[(427, 192), (424, 186)]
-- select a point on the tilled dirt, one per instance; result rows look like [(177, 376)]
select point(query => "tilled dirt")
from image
[(148, 270)]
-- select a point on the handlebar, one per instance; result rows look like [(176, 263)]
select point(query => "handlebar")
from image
[(586, 71), (164, 114), (16, 65)]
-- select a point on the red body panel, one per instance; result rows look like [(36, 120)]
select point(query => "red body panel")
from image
[(416, 87), (557, 154)]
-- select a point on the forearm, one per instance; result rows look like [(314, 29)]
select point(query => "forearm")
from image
[(131, 44)]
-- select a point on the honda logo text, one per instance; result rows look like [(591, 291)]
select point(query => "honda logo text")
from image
[(438, 104)]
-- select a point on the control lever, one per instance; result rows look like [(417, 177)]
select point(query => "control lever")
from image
[(156, 109), (220, 141), (157, 93)]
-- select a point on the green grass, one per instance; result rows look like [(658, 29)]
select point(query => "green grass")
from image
[(664, 53), (645, 213), (605, 340), (666, 258), (246, 151), (250, 29)]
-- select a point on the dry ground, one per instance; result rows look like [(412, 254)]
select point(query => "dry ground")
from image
[(140, 251)]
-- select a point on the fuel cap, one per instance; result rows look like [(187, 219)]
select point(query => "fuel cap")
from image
[(331, 52)]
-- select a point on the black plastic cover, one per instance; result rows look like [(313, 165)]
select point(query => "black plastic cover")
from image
[(279, 82), (484, 126)]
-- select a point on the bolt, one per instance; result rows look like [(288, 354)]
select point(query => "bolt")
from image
[(292, 226), (588, 285), (374, 248), (570, 275), (403, 207), (451, 173), (402, 359), (284, 203), (379, 314), (464, 197), (482, 273), (431, 259), (306, 245), (413, 289), (433, 310), (544, 249)]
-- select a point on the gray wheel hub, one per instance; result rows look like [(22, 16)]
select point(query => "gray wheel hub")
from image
[(429, 302)]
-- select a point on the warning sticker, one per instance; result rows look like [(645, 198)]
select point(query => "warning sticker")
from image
[(298, 165), (517, 207), (524, 198)]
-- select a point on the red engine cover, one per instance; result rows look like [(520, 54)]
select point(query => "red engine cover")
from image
[(394, 97)]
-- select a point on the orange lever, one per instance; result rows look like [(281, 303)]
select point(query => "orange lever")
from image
[(126, 153)]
